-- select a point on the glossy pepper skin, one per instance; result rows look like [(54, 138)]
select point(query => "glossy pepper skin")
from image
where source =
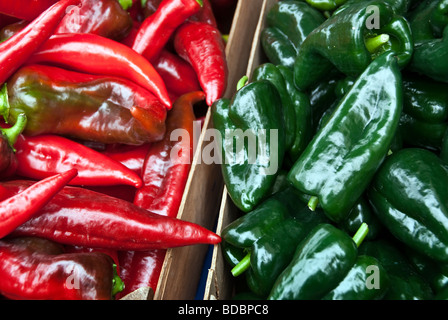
[(90, 53), (288, 24), (83, 106), (25, 9), (27, 261), (425, 112), (8, 138), (106, 18), (406, 195), (44, 155), (405, 283), (202, 46), (249, 176), (17, 49), (444, 149), (339, 162), (78, 216), (341, 42), (276, 227), (320, 262), (156, 30), (19, 208)]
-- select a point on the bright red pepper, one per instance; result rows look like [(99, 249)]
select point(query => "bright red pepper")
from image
[(36, 269), (17, 49), (132, 157), (19, 208), (25, 9), (180, 78), (164, 179), (203, 47), (78, 216), (94, 54), (156, 30), (44, 155), (8, 138), (106, 18)]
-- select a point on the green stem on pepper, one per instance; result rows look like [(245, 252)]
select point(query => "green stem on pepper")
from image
[(4, 103), (117, 283), (373, 44), (242, 82), (13, 132), (242, 266), (359, 236), (312, 203)]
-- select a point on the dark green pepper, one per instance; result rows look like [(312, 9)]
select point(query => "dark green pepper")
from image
[(346, 42), (254, 112), (366, 280), (426, 20), (404, 281), (444, 149), (326, 5), (288, 24), (425, 112), (338, 164), (321, 261), (408, 194)]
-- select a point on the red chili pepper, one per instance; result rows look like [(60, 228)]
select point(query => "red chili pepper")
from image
[(150, 7), (203, 47), (110, 252), (106, 18), (36, 269), (8, 138), (180, 78), (16, 50), (45, 155), (78, 216), (132, 157), (164, 179), (94, 54), (19, 208), (25, 9), (157, 29), (206, 14)]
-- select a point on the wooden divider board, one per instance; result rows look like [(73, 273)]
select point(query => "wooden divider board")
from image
[(202, 197), (219, 284)]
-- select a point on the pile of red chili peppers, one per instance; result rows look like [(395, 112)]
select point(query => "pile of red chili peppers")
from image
[(91, 91)]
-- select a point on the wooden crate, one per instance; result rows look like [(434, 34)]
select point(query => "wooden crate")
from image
[(202, 197), (219, 284)]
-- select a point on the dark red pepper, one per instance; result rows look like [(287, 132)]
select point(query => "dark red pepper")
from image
[(206, 14), (180, 78), (203, 47), (110, 252), (7, 20), (132, 157), (106, 18), (45, 155), (8, 138), (164, 179), (11, 29), (25, 9), (17, 209), (17, 49), (94, 54), (156, 30), (78, 216), (36, 269)]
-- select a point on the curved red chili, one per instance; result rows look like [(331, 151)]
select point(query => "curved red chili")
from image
[(94, 54), (25, 9), (44, 155), (156, 30), (17, 49), (203, 47)]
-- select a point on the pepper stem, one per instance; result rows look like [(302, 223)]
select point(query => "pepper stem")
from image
[(359, 236), (4, 103), (201, 3), (312, 203), (242, 266), (242, 82), (117, 283), (13, 132), (375, 43)]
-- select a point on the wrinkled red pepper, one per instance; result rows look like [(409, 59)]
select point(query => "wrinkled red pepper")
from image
[(8, 138), (17, 49), (17, 209), (179, 76), (164, 179), (106, 18), (156, 30), (36, 269), (45, 155), (94, 54), (203, 47), (25, 9), (78, 216)]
